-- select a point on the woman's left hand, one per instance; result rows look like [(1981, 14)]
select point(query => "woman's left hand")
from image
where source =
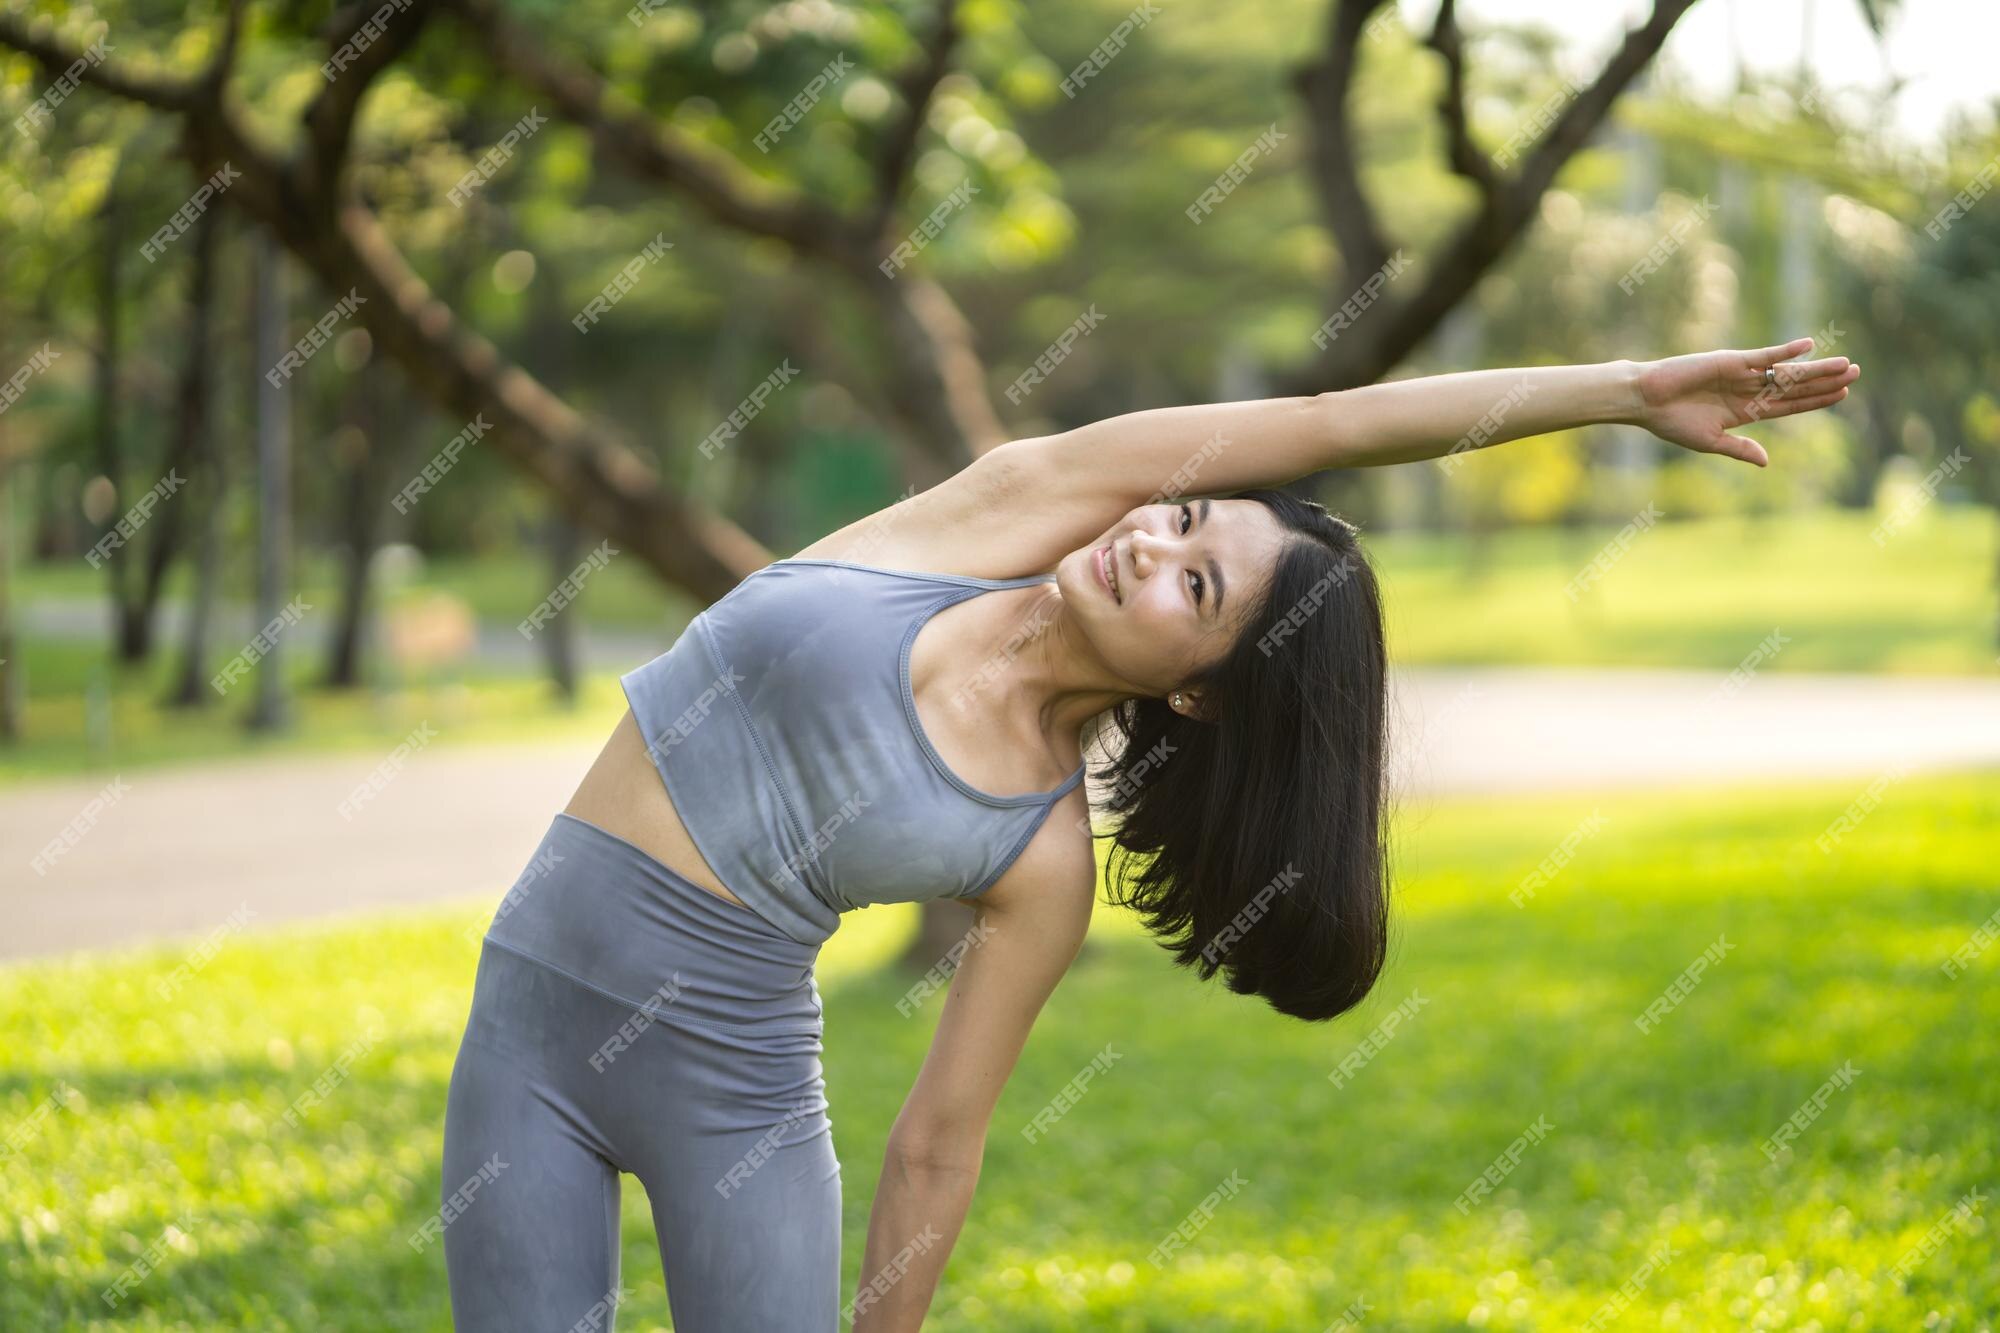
[(1695, 401)]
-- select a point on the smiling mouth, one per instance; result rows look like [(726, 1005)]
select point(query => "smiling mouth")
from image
[(1107, 570)]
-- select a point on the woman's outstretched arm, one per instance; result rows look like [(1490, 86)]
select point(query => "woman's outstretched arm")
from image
[(1025, 505), (1693, 401)]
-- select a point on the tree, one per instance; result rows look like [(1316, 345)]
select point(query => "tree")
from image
[(1929, 280), (274, 484), (205, 430), (11, 688)]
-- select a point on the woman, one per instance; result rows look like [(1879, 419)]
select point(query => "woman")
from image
[(898, 713)]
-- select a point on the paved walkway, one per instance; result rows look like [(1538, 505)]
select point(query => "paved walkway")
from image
[(183, 849)]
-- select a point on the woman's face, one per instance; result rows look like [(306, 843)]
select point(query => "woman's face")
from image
[(1167, 589)]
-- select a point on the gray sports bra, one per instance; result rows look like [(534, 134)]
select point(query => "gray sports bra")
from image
[(783, 724)]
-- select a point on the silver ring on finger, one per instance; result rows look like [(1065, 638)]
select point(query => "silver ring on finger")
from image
[(1770, 377)]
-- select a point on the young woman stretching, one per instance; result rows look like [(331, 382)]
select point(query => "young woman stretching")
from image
[(897, 714)]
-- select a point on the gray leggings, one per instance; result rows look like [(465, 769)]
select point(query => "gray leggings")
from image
[(625, 1019)]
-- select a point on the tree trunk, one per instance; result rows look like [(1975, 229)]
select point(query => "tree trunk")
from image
[(565, 546), (273, 482), (343, 660), (367, 481), (10, 660), (128, 636), (599, 484), (192, 690), (1875, 443), (164, 531), (561, 538), (208, 470)]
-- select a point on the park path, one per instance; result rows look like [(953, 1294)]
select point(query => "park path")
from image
[(186, 850)]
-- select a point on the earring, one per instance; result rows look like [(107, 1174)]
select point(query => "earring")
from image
[(1177, 701)]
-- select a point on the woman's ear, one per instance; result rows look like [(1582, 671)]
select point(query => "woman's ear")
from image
[(1191, 703)]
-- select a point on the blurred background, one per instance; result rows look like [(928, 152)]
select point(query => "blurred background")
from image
[(379, 382)]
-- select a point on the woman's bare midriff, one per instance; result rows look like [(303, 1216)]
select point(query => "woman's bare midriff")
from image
[(624, 795)]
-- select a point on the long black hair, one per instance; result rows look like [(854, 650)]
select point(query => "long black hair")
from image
[(1251, 839)]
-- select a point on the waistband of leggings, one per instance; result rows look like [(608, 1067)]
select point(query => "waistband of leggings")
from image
[(597, 908)]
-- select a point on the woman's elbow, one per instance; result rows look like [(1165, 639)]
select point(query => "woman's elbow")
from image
[(941, 1148)]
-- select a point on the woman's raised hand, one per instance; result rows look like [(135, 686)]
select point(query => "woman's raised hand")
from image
[(1696, 400)]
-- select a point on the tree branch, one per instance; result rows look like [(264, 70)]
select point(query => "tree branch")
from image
[(161, 92), (714, 180), (804, 330), (1395, 325), (939, 391), (935, 366), (598, 482), (223, 64), (358, 49), (1467, 159), (595, 478), (1588, 109), (916, 85), (1336, 171)]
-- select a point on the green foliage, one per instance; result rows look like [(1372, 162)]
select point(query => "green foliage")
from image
[(1349, 1191)]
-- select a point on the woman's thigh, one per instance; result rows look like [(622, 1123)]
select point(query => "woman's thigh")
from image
[(529, 1211), (743, 1178)]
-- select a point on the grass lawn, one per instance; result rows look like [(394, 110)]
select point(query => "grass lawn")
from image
[(83, 718), (1526, 1015), (1704, 594), (501, 587)]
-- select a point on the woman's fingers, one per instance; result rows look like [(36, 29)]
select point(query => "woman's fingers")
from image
[(1736, 446), (1785, 407), (1765, 356), (1769, 400), (1798, 386), (1797, 374)]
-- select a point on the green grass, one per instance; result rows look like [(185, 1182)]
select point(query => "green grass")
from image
[(82, 717), (86, 716), (1704, 594), (500, 586), (1349, 1190)]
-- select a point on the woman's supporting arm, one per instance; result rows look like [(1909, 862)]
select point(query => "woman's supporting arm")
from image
[(1023, 936)]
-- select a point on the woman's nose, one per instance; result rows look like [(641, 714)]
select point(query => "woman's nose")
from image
[(1144, 550)]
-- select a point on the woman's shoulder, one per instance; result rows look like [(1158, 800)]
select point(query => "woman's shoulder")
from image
[(897, 540), (1057, 870), (998, 518)]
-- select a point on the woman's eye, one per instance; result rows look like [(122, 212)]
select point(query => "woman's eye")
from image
[(1195, 581), (1187, 518)]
